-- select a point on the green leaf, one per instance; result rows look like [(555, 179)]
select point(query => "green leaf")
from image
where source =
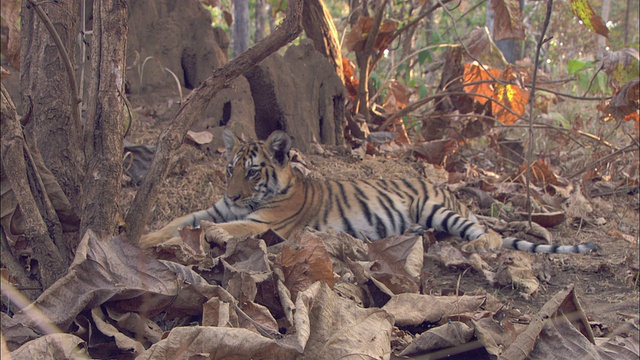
[(375, 78), (422, 56), (422, 91), (576, 65)]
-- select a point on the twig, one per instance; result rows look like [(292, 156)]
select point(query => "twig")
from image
[(75, 96), (628, 148), (531, 102), (171, 138), (410, 24)]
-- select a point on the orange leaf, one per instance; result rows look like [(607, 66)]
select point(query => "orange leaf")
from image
[(474, 73), (513, 98), (401, 92), (540, 174), (350, 80), (358, 34)]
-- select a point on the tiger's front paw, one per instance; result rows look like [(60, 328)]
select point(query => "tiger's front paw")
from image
[(490, 241), (214, 233), (159, 237)]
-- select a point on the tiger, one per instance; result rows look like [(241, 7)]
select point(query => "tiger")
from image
[(264, 191)]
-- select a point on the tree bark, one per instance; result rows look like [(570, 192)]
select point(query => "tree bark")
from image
[(44, 79), (240, 26), (24, 182), (171, 138), (104, 128), (318, 25), (364, 63), (260, 21)]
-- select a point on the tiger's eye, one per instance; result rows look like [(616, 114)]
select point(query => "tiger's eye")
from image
[(252, 172), (229, 169)]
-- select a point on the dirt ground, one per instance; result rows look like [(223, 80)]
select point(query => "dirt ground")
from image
[(606, 282)]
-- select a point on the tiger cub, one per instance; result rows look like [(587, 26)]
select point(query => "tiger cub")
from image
[(264, 191)]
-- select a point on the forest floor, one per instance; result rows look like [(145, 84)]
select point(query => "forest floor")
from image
[(606, 282)]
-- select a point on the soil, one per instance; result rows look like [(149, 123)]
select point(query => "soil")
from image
[(606, 282)]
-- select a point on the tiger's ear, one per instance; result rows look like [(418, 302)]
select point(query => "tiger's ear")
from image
[(230, 140), (279, 144)]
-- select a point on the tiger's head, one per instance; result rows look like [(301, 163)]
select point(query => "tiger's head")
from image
[(257, 171)]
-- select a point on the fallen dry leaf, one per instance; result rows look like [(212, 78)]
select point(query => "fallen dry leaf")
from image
[(442, 337), (54, 346), (304, 261), (414, 309), (396, 262), (200, 137), (339, 328), (563, 302)]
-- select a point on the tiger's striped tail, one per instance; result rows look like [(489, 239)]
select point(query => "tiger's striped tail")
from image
[(523, 245)]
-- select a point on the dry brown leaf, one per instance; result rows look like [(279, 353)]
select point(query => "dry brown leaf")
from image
[(447, 255), (548, 220), (305, 260), (541, 174), (218, 342), (54, 346), (218, 313), (442, 337), (628, 238), (435, 152), (414, 309), (200, 137), (508, 20), (358, 35), (134, 282), (339, 328), (123, 342), (188, 249), (516, 269), (625, 102), (256, 317), (136, 324), (564, 302), (396, 262)]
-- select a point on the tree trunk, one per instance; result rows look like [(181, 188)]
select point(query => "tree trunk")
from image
[(602, 41), (104, 128), (25, 182), (44, 79), (240, 26), (260, 21), (318, 25)]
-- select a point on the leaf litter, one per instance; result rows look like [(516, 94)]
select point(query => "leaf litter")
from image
[(327, 295)]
